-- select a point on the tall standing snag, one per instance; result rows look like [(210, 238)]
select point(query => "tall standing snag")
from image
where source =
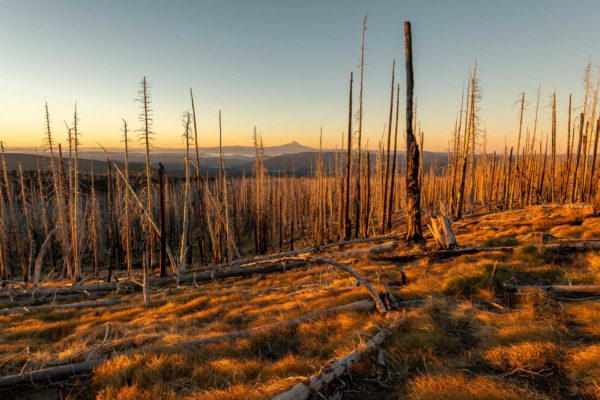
[(146, 138), (347, 219), (163, 223), (414, 231), (360, 121), (387, 157)]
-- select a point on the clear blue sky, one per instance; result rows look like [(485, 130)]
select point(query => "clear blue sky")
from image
[(282, 65)]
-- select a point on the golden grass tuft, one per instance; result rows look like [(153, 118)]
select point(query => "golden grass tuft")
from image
[(583, 366), (530, 356), (461, 387), (466, 280)]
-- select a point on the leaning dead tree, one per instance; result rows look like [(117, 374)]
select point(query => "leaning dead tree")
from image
[(414, 231)]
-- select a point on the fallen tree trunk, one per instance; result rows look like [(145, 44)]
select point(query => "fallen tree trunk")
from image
[(36, 301), (438, 254), (304, 250), (565, 290), (559, 248), (156, 281), (303, 390), (573, 246), (75, 306), (51, 373)]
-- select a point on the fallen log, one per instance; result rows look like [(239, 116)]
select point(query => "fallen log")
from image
[(70, 290), (438, 254), (303, 390), (573, 246), (155, 281), (291, 253), (51, 373), (564, 290), (36, 301), (72, 306), (559, 248)]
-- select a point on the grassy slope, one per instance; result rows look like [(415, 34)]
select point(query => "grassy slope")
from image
[(463, 339)]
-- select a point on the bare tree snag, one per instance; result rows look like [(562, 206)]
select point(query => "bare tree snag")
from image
[(441, 229), (384, 200), (394, 160), (359, 137), (414, 233), (347, 223), (162, 221)]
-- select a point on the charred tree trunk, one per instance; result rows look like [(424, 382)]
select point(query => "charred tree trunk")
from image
[(347, 222), (163, 232), (414, 232)]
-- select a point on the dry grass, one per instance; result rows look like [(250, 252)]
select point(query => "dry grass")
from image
[(461, 387), (583, 366), (463, 336), (531, 356)]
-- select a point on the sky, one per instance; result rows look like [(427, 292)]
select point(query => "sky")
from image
[(283, 66)]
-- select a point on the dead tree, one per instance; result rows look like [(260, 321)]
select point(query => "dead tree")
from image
[(577, 159), (127, 230), (146, 138), (414, 232), (347, 222), (593, 168), (469, 127), (394, 159), (512, 178), (553, 178), (387, 158), (359, 133), (162, 221)]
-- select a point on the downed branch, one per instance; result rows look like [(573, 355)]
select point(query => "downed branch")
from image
[(339, 368)]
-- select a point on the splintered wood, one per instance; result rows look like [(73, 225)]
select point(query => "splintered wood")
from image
[(441, 229)]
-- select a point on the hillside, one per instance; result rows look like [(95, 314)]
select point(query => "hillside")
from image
[(460, 329), (300, 163), (30, 162)]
